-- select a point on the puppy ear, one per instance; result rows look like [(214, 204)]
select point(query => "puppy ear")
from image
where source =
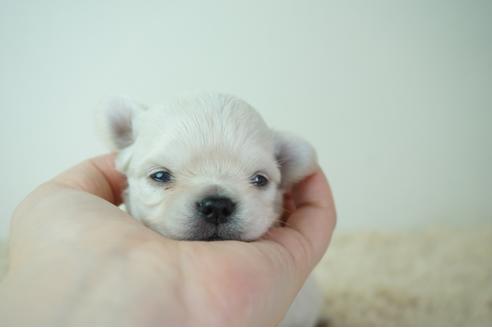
[(119, 121), (296, 158)]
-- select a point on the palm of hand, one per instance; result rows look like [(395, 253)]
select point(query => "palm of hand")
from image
[(227, 282)]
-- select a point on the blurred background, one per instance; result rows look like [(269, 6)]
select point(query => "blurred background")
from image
[(395, 95)]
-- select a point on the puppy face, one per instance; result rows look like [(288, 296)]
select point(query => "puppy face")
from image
[(205, 168)]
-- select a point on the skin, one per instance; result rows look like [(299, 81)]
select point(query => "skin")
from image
[(77, 259)]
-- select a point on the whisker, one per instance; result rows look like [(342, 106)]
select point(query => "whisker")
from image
[(287, 224), (266, 234), (282, 222)]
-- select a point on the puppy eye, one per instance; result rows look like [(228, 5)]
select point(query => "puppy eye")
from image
[(161, 176), (259, 180)]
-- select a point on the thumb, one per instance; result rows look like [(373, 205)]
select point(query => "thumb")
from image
[(97, 176), (307, 232)]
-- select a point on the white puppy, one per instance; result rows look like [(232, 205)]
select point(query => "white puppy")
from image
[(209, 168)]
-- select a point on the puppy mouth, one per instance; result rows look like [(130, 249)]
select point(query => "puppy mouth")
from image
[(220, 236), (216, 233), (215, 237)]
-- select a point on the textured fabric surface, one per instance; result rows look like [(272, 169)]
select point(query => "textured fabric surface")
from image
[(436, 276)]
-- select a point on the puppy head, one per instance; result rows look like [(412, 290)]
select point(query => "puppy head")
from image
[(205, 168)]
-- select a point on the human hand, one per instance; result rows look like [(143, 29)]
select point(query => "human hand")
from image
[(76, 258)]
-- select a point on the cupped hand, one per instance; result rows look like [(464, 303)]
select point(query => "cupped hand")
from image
[(76, 258)]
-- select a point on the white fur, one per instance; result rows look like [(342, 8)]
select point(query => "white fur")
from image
[(212, 144)]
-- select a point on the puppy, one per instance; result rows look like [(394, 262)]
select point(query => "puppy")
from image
[(209, 168)]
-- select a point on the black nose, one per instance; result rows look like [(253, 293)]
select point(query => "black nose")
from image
[(216, 209)]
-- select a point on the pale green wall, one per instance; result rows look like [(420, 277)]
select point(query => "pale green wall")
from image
[(395, 95)]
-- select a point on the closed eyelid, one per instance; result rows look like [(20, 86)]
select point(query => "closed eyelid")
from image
[(260, 172), (156, 168)]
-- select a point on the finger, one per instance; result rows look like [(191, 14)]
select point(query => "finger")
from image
[(313, 191), (308, 230), (97, 176), (288, 208), (315, 217)]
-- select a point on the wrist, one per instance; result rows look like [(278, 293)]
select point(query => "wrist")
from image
[(103, 288)]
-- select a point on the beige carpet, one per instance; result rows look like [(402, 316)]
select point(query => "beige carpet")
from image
[(436, 276)]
